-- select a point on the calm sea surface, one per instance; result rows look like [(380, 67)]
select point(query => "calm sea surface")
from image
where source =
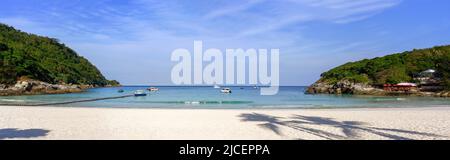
[(209, 97)]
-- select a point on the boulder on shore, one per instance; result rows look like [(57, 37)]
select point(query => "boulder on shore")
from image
[(343, 87), (347, 87), (32, 87)]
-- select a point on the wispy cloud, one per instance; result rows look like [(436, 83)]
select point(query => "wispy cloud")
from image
[(181, 18), (17, 21), (338, 11), (235, 9)]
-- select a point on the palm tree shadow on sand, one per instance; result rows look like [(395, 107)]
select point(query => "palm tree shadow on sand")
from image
[(350, 129), (10, 133)]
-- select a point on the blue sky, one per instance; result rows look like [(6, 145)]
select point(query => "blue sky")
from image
[(131, 41)]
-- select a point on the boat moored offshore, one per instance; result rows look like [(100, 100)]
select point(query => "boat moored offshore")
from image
[(153, 89), (226, 90), (140, 93)]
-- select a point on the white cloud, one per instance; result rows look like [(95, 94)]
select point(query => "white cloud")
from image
[(253, 17), (232, 10)]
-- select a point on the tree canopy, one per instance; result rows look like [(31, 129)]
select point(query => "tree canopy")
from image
[(44, 59), (395, 68)]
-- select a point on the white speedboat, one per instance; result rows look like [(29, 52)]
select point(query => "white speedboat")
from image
[(153, 89), (226, 90), (140, 93), (216, 86)]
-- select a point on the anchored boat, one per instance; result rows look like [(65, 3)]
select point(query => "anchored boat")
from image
[(140, 93), (226, 90), (153, 89)]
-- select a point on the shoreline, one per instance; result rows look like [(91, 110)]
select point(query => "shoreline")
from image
[(18, 122), (432, 107), (254, 108)]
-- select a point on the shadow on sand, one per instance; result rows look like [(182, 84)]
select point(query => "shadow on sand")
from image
[(9, 133), (309, 124)]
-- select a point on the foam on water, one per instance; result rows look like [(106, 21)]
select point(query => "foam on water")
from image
[(12, 100)]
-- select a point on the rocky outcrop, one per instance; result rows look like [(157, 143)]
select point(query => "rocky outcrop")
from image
[(443, 94), (347, 87), (32, 87), (343, 87)]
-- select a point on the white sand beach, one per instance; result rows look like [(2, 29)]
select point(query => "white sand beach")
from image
[(198, 124)]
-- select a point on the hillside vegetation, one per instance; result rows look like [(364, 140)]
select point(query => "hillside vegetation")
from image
[(44, 59), (395, 68)]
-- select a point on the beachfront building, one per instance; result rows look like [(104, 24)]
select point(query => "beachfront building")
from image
[(427, 78), (428, 73)]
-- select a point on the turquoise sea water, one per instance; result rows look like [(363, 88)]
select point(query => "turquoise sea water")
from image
[(209, 97)]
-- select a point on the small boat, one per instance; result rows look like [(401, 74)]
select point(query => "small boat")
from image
[(120, 91), (140, 93), (153, 89), (226, 90), (216, 86), (255, 87)]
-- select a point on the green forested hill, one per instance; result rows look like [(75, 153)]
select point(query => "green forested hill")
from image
[(44, 59), (395, 68)]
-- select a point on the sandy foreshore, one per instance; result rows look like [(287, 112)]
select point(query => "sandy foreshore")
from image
[(198, 124)]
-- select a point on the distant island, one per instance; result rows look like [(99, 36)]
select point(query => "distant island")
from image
[(31, 64), (424, 72)]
